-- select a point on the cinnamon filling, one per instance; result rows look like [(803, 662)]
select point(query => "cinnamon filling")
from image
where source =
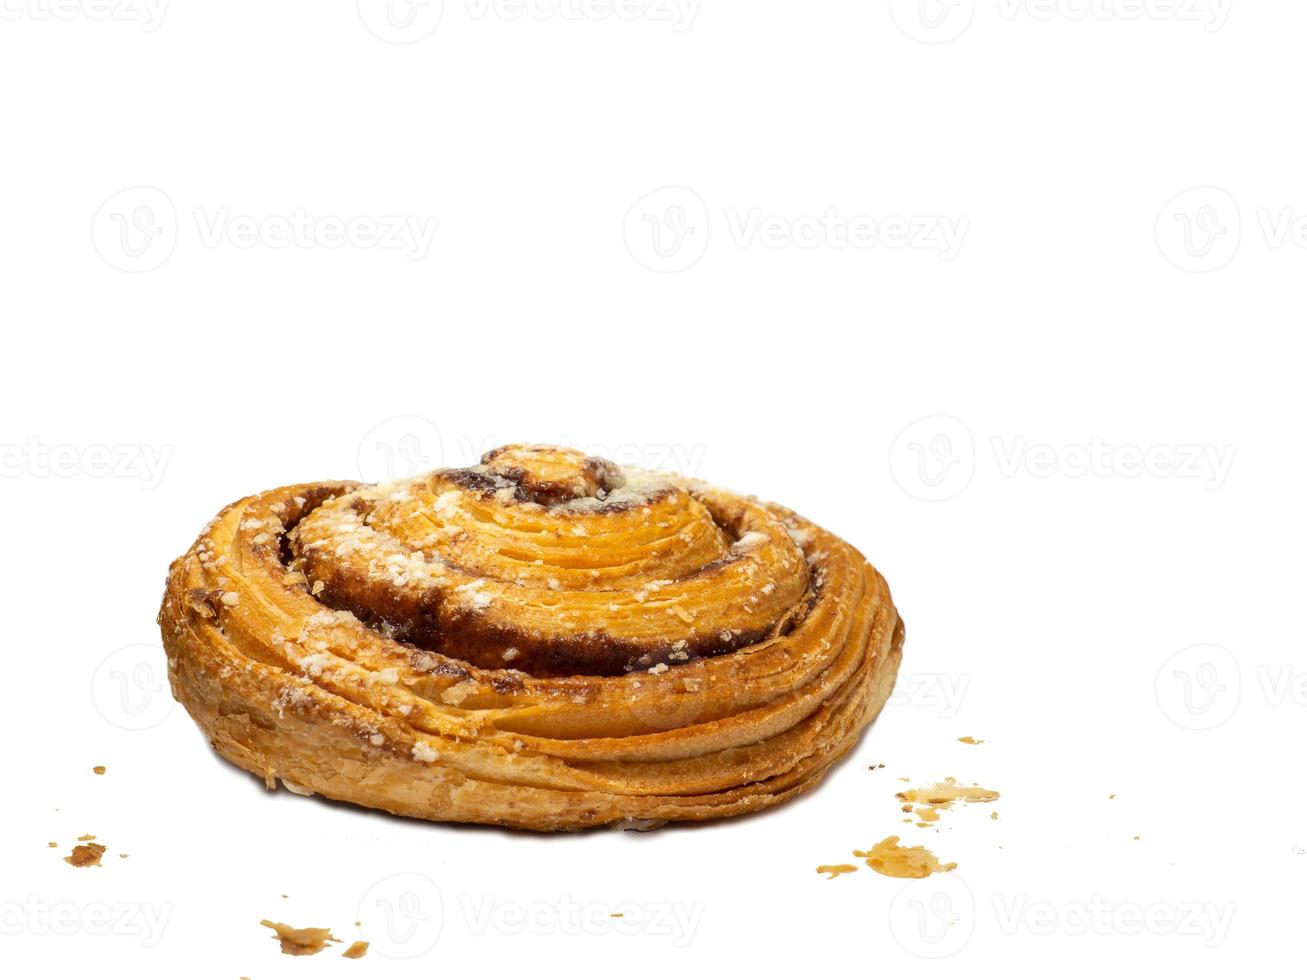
[(553, 563)]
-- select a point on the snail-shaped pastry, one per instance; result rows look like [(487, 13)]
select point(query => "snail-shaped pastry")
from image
[(545, 641)]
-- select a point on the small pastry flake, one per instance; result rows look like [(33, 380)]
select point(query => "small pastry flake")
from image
[(889, 857), (300, 942), (86, 855)]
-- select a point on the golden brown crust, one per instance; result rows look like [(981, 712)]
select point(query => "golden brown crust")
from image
[(543, 641)]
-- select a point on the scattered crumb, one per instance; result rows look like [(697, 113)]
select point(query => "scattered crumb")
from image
[(969, 740), (1112, 797), (835, 870), (939, 797), (98, 770), (300, 942), (993, 815), (880, 765), (357, 950), (616, 915), (944, 795), (86, 837), (926, 815), (905, 779), (53, 843), (86, 855), (888, 858), (1136, 837)]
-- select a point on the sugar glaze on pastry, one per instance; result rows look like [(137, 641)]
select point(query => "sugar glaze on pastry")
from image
[(545, 640)]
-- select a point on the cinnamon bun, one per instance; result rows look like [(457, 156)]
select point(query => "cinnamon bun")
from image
[(545, 640)]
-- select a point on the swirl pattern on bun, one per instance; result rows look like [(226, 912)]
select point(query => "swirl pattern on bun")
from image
[(545, 640)]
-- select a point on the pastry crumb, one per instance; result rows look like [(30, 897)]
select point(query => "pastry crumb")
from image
[(357, 950), (86, 855), (300, 942), (99, 770), (932, 800), (944, 795), (835, 870), (971, 740), (889, 858)]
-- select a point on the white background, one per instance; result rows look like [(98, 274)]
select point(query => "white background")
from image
[(1108, 363)]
